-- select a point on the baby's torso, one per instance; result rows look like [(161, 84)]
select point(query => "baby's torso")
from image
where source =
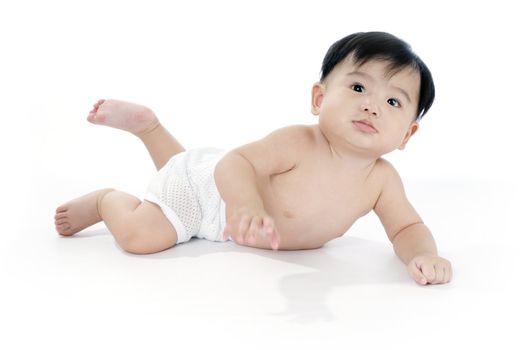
[(313, 203)]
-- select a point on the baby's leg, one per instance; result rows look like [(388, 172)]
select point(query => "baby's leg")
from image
[(78, 214), (138, 227), (140, 121)]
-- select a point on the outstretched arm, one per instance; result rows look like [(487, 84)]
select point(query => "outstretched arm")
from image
[(412, 241)]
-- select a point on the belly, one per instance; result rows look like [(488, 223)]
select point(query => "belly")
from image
[(305, 234), (305, 221)]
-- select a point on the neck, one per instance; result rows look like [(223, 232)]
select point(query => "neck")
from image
[(355, 162)]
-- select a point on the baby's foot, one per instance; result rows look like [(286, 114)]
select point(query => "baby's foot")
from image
[(79, 213), (122, 115)]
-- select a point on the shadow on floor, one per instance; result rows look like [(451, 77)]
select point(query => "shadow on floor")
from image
[(344, 262)]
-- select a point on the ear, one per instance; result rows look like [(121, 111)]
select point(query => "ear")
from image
[(317, 95), (411, 130)]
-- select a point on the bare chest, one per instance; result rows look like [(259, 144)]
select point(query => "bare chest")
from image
[(312, 205)]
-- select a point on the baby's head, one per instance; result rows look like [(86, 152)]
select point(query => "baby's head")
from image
[(363, 47)]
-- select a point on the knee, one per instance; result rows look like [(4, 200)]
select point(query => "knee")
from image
[(142, 241), (135, 242)]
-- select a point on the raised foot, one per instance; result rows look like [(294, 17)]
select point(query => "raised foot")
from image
[(79, 213), (122, 115)]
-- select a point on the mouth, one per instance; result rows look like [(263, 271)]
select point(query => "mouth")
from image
[(365, 126)]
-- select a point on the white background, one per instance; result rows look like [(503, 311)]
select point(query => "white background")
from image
[(223, 73)]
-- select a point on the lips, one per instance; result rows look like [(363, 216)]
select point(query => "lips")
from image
[(365, 126)]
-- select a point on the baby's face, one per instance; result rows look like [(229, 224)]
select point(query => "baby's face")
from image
[(368, 108)]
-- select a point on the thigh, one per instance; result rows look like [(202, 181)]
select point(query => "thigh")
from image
[(150, 230)]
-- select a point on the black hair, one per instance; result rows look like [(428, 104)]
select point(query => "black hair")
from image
[(379, 45)]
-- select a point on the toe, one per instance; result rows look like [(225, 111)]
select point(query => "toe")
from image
[(62, 228), (98, 103), (61, 217), (65, 229), (95, 108), (96, 118), (99, 118), (61, 209), (61, 221)]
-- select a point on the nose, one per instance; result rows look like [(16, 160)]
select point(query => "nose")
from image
[(370, 108)]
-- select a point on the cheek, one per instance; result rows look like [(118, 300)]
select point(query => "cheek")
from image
[(334, 103), (396, 126)]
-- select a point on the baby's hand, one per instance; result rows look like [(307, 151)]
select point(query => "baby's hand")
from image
[(430, 269), (246, 225)]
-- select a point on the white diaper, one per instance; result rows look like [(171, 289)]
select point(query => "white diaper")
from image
[(186, 192)]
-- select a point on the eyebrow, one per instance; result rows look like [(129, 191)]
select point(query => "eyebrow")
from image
[(402, 91), (367, 76)]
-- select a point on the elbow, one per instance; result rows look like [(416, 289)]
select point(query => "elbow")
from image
[(400, 232)]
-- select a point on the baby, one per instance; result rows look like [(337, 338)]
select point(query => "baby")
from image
[(297, 188)]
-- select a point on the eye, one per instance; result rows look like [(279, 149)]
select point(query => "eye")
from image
[(357, 87), (394, 102)]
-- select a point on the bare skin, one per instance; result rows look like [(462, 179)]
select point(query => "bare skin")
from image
[(299, 187), (309, 184), (80, 213), (141, 122), (126, 116), (139, 227)]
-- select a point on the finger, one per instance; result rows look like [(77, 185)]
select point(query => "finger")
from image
[(449, 273), (254, 229), (268, 226), (429, 272), (243, 227), (227, 231), (416, 273), (271, 232), (445, 277), (275, 240), (440, 274), (230, 227)]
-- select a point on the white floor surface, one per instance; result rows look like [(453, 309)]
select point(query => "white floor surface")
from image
[(223, 73), (84, 292)]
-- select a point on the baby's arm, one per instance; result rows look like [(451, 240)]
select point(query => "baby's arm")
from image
[(237, 176), (412, 241)]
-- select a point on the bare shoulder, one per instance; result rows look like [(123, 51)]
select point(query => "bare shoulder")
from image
[(392, 207), (281, 150), (384, 172), (303, 134), (288, 139), (385, 167), (392, 197)]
